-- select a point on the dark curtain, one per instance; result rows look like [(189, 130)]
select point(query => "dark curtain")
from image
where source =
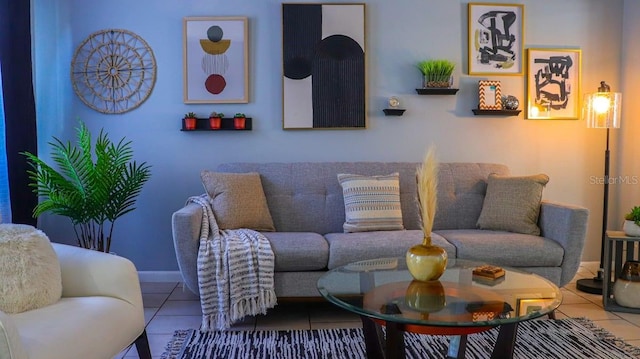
[(19, 104)]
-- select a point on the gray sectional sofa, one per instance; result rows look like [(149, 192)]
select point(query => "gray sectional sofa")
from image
[(306, 203)]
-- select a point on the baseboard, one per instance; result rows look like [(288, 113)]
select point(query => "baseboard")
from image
[(160, 276)]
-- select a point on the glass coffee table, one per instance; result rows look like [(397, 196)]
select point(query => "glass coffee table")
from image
[(459, 303)]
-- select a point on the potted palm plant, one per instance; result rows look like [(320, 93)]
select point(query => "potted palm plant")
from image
[(93, 194), (436, 73)]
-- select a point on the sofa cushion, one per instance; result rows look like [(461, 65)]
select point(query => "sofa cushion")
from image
[(298, 251), (238, 200), (345, 248), (30, 275), (513, 203), (505, 248), (371, 203)]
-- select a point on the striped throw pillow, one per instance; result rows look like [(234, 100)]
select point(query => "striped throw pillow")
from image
[(371, 203)]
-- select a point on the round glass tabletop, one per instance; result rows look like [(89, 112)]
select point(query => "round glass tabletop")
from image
[(383, 289)]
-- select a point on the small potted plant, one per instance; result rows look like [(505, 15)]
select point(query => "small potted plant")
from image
[(215, 120), (631, 225), (239, 121), (436, 73), (190, 121)]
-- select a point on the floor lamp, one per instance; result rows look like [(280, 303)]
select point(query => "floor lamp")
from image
[(601, 109)]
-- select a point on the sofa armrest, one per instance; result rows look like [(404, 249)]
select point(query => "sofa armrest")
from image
[(87, 273), (10, 344), (185, 225), (567, 225)]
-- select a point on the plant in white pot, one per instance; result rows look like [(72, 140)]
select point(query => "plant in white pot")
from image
[(93, 194), (631, 225)]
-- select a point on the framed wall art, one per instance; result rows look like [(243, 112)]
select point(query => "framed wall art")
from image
[(215, 58), (553, 84), (323, 66), (489, 95), (496, 34)]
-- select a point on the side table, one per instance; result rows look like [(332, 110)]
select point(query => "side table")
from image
[(616, 242)]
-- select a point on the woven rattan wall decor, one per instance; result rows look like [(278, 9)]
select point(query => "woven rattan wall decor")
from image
[(113, 71)]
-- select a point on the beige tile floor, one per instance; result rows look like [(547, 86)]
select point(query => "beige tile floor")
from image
[(168, 307)]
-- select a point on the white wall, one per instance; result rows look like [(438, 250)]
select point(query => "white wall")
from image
[(398, 34)]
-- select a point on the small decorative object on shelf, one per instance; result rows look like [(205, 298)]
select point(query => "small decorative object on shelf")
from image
[(489, 95), (436, 73), (626, 290), (510, 102), (190, 121), (239, 121), (631, 225), (394, 103), (215, 120), (426, 261)]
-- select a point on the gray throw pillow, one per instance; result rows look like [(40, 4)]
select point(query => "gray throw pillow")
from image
[(513, 203), (238, 200), (371, 203)]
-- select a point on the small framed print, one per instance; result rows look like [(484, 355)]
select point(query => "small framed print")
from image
[(489, 95), (495, 44), (527, 306), (553, 84), (215, 53)]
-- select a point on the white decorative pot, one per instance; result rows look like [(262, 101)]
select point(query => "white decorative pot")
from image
[(626, 289), (631, 229)]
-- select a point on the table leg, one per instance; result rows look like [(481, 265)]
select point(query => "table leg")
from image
[(506, 341), (395, 341), (457, 347), (373, 338), (379, 347)]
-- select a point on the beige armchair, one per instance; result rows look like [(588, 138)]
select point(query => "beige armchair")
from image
[(100, 312)]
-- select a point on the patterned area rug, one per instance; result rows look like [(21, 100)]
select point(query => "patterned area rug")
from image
[(565, 338)]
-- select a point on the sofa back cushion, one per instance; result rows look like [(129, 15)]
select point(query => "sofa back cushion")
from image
[(307, 197)]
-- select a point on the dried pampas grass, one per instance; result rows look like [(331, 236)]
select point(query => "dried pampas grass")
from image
[(427, 177)]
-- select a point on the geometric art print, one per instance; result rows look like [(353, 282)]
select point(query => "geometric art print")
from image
[(215, 60), (323, 66)]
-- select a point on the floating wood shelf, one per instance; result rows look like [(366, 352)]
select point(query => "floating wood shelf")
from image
[(479, 112), (202, 124), (393, 111), (437, 91)]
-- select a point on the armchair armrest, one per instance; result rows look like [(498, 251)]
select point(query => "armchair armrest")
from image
[(567, 225), (186, 224), (10, 343), (87, 273)]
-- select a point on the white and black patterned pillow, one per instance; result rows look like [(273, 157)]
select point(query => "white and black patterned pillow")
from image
[(371, 203)]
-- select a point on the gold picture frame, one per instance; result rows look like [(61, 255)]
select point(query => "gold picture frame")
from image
[(553, 84), (215, 60), (489, 95), (526, 306), (495, 39)]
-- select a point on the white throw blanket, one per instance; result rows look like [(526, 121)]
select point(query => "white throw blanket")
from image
[(235, 272)]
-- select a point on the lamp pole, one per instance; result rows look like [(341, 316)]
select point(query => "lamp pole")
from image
[(594, 285)]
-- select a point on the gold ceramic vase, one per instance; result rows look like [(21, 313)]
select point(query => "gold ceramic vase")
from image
[(425, 261)]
